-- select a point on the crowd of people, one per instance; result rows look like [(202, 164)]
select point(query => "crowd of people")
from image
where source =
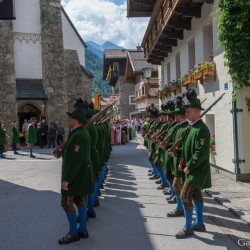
[(125, 130), (33, 133)]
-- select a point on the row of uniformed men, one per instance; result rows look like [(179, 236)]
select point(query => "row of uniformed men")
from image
[(185, 171), (84, 168)]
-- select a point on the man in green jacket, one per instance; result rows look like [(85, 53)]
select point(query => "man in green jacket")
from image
[(196, 166), (31, 139), (15, 138), (182, 123), (76, 176)]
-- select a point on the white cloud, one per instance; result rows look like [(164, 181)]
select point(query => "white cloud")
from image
[(102, 20)]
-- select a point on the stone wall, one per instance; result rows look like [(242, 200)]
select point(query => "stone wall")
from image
[(87, 87), (72, 77), (8, 104), (125, 89), (53, 60)]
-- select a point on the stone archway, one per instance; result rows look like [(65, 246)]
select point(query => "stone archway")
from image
[(26, 111)]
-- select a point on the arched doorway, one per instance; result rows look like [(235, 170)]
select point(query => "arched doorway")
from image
[(26, 112)]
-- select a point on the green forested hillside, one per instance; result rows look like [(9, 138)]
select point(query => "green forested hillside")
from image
[(94, 62)]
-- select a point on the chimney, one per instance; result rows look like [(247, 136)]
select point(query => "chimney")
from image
[(139, 48)]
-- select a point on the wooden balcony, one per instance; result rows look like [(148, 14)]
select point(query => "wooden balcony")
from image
[(140, 8), (168, 21)]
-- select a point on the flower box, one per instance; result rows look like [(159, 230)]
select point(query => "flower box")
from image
[(209, 70), (174, 87), (189, 79)]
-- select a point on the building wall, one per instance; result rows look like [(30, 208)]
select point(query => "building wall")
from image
[(87, 87), (8, 110), (125, 89), (210, 89), (72, 77), (71, 40), (53, 60), (27, 39), (27, 16)]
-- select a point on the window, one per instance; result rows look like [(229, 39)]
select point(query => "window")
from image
[(191, 54), (208, 42), (131, 99), (136, 93), (162, 77), (168, 74), (143, 90), (178, 66)]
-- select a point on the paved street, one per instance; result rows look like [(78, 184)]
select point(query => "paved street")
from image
[(132, 214)]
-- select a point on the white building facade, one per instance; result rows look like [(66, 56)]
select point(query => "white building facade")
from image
[(196, 48)]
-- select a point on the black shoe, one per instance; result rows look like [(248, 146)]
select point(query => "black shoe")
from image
[(150, 170), (102, 187), (170, 197), (68, 239), (172, 201), (99, 193), (162, 186), (92, 214), (175, 213), (97, 203), (150, 174), (198, 228), (3, 157), (154, 177), (83, 234), (184, 233), (167, 192), (158, 182), (16, 153), (32, 156)]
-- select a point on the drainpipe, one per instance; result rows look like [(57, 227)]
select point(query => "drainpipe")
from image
[(236, 159)]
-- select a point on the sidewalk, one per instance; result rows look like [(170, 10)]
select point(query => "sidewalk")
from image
[(235, 196)]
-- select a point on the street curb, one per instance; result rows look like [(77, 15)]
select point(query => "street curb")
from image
[(237, 212)]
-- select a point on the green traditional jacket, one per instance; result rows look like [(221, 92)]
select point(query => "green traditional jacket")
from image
[(177, 158), (107, 140), (15, 136), (99, 147), (77, 165), (3, 140), (148, 127), (166, 159), (31, 135), (196, 156), (93, 150)]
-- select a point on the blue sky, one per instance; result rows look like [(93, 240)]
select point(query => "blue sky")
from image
[(105, 20)]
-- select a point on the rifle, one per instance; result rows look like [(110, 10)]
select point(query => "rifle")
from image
[(156, 127), (111, 114), (164, 131), (150, 131), (166, 141), (158, 133), (58, 152), (174, 149)]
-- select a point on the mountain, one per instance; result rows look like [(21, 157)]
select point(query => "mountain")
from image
[(94, 62)]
